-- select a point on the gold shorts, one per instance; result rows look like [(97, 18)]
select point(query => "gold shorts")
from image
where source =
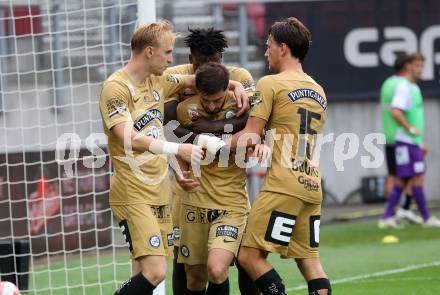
[(147, 229), (284, 224), (205, 229)]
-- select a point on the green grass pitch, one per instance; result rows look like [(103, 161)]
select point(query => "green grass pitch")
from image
[(352, 254)]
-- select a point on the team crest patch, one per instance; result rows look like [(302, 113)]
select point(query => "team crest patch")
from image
[(229, 114), (154, 132), (155, 241), (192, 111), (184, 250), (156, 95)]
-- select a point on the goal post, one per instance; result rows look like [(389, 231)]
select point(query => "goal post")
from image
[(57, 232)]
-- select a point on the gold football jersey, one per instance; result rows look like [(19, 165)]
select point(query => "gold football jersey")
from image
[(141, 177), (221, 186), (294, 106), (235, 73)]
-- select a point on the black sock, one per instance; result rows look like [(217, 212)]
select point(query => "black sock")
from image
[(179, 277), (245, 283), (189, 292), (218, 289), (319, 284), (137, 284), (270, 283), (408, 200)]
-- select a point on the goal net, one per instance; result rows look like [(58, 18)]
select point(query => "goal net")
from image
[(57, 234)]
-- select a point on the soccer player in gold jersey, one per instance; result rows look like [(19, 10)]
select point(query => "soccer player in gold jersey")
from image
[(213, 217), (206, 45), (285, 217), (132, 106)]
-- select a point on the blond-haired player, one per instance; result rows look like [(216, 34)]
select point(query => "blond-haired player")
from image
[(132, 106)]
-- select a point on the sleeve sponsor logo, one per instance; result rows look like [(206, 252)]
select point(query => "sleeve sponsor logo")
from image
[(255, 99), (227, 231), (307, 93), (116, 106), (248, 85), (172, 79)]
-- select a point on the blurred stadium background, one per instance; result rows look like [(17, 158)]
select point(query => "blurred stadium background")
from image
[(54, 55)]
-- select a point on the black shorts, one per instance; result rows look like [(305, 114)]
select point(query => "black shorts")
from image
[(391, 159)]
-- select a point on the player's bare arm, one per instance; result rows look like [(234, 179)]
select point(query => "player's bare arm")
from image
[(179, 131), (202, 125), (240, 93), (399, 116), (141, 143)]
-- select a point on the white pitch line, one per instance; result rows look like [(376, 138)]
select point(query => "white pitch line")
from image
[(375, 274)]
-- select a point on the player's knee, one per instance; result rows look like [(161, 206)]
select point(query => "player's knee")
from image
[(217, 273), (244, 259), (155, 276)]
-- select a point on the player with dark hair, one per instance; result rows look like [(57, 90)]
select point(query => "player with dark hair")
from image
[(213, 217), (285, 217), (206, 45), (389, 127), (408, 126), (132, 105)]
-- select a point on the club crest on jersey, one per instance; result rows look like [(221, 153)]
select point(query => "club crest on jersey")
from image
[(307, 93), (229, 114), (156, 95), (192, 111), (154, 132), (147, 118)]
